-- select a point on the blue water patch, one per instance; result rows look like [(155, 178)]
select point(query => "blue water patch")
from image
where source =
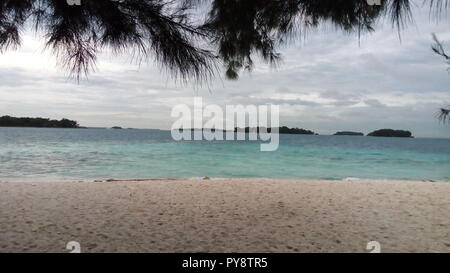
[(78, 154)]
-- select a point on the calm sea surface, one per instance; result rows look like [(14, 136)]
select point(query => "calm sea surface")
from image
[(77, 154)]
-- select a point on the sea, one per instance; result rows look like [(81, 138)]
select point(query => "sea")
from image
[(47, 154)]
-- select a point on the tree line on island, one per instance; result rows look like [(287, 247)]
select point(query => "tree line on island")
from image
[(8, 121), (378, 133), (281, 130)]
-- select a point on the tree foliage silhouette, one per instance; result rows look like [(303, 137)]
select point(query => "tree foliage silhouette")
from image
[(438, 48), (161, 29), (189, 38)]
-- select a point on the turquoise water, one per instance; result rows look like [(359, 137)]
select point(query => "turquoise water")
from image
[(78, 154)]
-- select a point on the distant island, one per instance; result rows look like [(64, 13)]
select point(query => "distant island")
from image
[(295, 131), (7, 121), (117, 127), (281, 130), (348, 133), (390, 133)]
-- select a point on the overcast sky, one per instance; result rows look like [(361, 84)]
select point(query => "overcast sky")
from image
[(327, 83)]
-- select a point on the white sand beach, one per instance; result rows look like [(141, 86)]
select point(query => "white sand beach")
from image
[(226, 215)]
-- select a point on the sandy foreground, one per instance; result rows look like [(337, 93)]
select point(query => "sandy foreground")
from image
[(232, 215)]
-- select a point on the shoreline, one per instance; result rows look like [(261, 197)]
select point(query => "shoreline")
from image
[(94, 180), (225, 215)]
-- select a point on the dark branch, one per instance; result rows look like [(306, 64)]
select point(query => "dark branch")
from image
[(438, 48), (444, 115)]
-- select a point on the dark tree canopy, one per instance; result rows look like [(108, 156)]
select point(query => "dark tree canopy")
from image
[(7, 121), (390, 133), (160, 29), (348, 133), (187, 37), (281, 130)]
